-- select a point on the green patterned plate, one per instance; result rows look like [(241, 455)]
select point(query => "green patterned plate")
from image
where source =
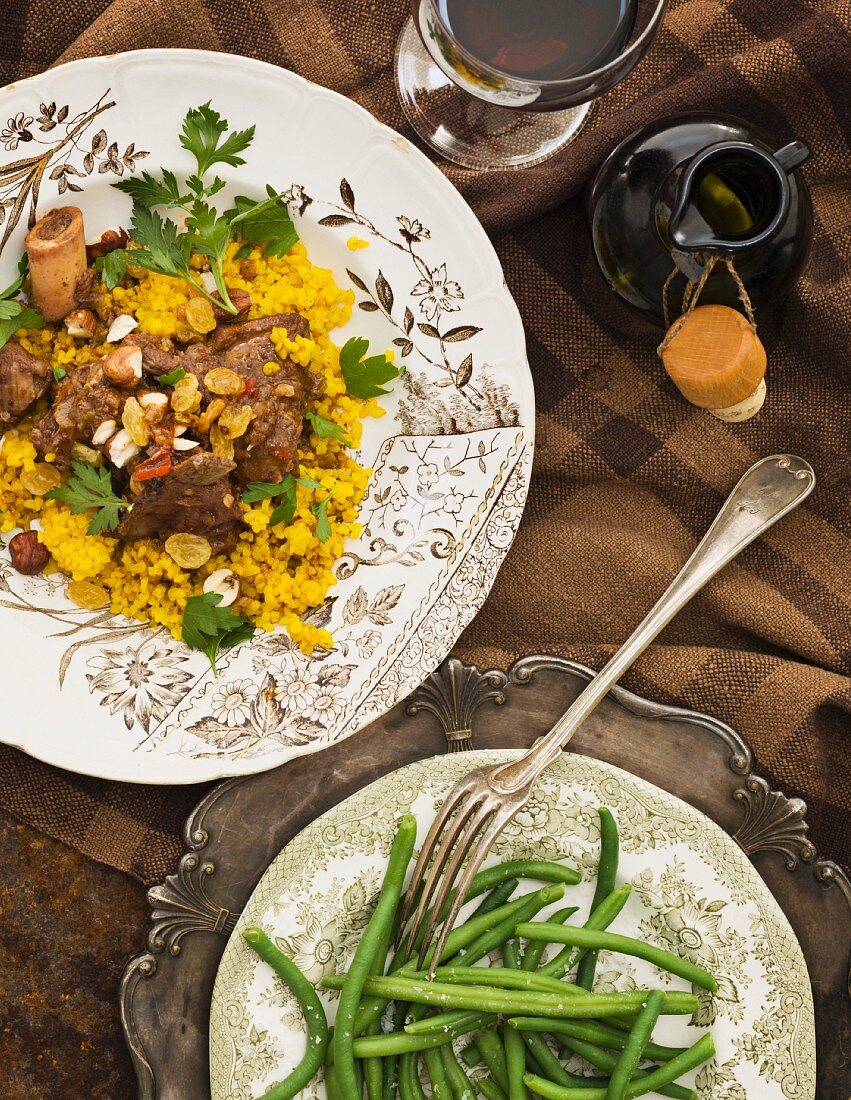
[(694, 893)]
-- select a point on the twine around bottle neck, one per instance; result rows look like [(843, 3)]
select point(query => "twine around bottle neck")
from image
[(691, 294)]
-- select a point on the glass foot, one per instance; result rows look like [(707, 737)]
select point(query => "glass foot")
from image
[(466, 130)]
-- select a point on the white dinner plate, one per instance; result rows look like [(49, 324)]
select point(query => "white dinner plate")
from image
[(104, 695)]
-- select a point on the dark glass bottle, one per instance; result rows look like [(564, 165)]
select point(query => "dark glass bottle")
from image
[(687, 188)]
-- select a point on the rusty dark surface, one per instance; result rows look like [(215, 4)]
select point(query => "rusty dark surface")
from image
[(67, 925)]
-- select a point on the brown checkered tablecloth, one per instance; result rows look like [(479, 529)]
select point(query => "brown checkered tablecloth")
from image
[(627, 475)]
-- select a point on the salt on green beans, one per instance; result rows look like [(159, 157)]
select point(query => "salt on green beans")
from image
[(487, 999), (625, 945), (311, 1006), (630, 1056), (401, 1042), (695, 1056), (365, 953), (607, 870)]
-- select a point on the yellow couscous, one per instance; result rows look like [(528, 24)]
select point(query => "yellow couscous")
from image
[(283, 571)]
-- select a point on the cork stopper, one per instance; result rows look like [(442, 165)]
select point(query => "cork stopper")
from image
[(716, 360)]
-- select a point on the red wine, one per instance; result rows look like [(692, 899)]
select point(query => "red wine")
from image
[(541, 39)]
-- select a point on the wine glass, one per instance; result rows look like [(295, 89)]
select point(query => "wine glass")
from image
[(507, 83)]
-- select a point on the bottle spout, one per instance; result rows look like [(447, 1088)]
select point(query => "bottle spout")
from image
[(732, 196), (792, 156)]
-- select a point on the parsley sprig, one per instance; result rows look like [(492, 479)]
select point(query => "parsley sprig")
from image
[(14, 314), (285, 490), (211, 628), (167, 250), (326, 429), (365, 377), (90, 487)]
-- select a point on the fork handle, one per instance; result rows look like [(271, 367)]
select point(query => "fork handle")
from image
[(770, 488)]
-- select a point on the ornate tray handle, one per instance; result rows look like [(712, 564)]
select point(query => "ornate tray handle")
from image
[(453, 694), (181, 905), (773, 823)]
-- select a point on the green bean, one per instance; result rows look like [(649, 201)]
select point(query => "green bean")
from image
[(373, 1071), (493, 1053), (409, 1079), (504, 978), (498, 896), (602, 1059), (362, 963), (331, 1090), (592, 1032), (401, 1042), (515, 1054), (702, 1050), (601, 918), (630, 1056), (459, 1082), (490, 1089), (607, 871), (487, 999), (445, 1020), (497, 935), (440, 1087), (550, 1065), (471, 1055), (534, 952), (539, 870), (626, 945), (311, 1006)]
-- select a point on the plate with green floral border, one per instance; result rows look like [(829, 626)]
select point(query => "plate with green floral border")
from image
[(694, 893)]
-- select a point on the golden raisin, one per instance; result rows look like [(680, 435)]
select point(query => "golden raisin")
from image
[(186, 396), (133, 419), (224, 381), (41, 479), (220, 444), (199, 314), (189, 551), (234, 420), (81, 453), (87, 594), (212, 412)]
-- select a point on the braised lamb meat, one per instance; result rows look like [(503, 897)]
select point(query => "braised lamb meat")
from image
[(197, 498), (237, 332), (158, 354), (23, 379), (269, 449), (83, 400)]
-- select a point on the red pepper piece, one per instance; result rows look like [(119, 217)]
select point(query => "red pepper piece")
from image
[(157, 465), (249, 385)]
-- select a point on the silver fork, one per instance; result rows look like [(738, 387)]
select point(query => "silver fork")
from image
[(486, 800)]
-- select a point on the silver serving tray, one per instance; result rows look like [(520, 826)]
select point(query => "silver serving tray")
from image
[(239, 828)]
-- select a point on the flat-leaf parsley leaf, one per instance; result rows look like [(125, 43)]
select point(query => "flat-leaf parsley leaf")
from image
[(210, 628), (90, 487), (365, 377), (268, 490), (326, 429)]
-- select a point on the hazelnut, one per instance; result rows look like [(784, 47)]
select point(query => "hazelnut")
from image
[(109, 242), (29, 556), (81, 322), (123, 367), (240, 298)]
